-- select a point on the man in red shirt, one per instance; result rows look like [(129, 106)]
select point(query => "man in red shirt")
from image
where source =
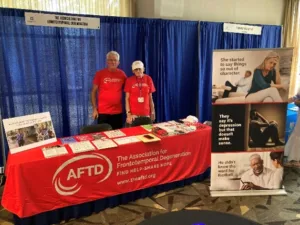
[(139, 89), (109, 83)]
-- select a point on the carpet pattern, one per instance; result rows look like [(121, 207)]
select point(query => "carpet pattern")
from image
[(269, 210)]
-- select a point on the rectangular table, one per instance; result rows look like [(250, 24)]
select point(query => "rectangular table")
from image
[(35, 185)]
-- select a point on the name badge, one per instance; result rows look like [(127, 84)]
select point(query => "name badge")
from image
[(140, 99)]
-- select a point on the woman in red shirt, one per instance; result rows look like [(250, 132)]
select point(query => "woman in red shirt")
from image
[(139, 89)]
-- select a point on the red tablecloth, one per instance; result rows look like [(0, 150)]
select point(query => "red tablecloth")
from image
[(35, 184)]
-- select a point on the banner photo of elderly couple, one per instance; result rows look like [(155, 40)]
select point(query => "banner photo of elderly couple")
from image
[(250, 91), (247, 172)]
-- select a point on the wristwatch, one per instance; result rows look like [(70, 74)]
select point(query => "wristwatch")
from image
[(128, 112)]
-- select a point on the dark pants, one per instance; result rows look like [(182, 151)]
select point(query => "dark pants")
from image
[(115, 120), (21, 143), (233, 89), (269, 132), (140, 120)]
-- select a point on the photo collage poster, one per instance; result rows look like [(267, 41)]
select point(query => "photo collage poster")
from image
[(250, 90), (30, 131)]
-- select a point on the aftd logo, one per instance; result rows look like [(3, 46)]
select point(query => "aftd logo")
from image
[(111, 80), (101, 167), (93, 170)]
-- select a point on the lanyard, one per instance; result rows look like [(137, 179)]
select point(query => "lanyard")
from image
[(140, 84)]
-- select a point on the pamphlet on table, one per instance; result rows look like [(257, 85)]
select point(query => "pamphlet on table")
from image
[(82, 146), (104, 143), (126, 140), (67, 140), (54, 151), (90, 137), (84, 138), (147, 127), (172, 128), (114, 133)]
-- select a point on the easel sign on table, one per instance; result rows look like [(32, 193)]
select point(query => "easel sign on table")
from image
[(30, 131)]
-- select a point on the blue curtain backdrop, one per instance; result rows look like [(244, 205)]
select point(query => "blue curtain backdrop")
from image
[(212, 37), (51, 69)]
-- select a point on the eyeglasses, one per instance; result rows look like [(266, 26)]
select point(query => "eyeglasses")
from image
[(112, 60), (137, 69)]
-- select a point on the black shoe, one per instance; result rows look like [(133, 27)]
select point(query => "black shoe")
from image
[(214, 99)]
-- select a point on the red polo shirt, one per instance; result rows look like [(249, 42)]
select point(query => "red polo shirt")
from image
[(139, 87), (110, 86)]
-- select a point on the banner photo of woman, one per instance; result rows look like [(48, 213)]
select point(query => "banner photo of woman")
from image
[(251, 76)]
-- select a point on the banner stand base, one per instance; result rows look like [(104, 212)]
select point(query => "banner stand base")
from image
[(248, 193)]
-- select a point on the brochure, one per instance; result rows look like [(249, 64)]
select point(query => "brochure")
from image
[(84, 137), (170, 129), (147, 127), (127, 140), (54, 151), (82, 146), (67, 140), (114, 133), (104, 143), (97, 136)]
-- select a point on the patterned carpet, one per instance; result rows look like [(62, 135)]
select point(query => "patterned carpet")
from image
[(269, 210)]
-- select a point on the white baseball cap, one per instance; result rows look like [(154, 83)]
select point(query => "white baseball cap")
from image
[(137, 65), (191, 119)]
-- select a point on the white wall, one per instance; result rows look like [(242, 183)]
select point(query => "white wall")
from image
[(238, 11), (145, 8)]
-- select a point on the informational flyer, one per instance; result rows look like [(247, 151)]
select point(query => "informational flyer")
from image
[(30, 131), (82, 146), (54, 151), (104, 143), (114, 133), (90, 137), (67, 140), (126, 140)]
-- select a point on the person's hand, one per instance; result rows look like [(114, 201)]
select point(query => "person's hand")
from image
[(227, 88), (285, 87), (250, 186), (279, 86), (245, 187), (130, 118), (152, 116), (275, 86), (95, 114), (273, 122)]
